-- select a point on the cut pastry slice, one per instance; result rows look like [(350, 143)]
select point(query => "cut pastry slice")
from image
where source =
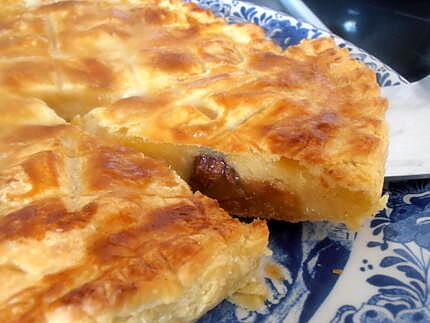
[(293, 135), (91, 232), (298, 135)]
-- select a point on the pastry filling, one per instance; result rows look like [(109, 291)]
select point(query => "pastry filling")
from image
[(214, 177)]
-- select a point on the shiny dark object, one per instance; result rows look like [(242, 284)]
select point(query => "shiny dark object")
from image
[(395, 31)]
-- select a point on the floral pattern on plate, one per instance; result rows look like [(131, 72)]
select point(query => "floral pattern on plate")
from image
[(401, 238)]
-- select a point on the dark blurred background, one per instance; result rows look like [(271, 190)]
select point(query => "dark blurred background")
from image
[(395, 31)]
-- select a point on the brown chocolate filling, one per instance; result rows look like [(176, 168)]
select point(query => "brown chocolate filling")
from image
[(212, 176)]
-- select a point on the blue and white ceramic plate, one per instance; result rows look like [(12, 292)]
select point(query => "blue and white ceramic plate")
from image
[(380, 274)]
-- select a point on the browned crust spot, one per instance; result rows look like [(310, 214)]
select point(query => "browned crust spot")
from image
[(35, 220)]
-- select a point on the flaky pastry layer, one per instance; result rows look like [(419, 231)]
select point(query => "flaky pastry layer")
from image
[(93, 232)]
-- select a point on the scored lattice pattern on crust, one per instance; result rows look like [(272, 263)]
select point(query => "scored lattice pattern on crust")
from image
[(228, 87), (77, 55)]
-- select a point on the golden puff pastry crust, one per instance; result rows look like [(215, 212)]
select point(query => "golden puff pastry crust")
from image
[(91, 232), (305, 124), (76, 55)]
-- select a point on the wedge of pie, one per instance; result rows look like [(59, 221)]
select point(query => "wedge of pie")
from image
[(91, 232), (296, 134)]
